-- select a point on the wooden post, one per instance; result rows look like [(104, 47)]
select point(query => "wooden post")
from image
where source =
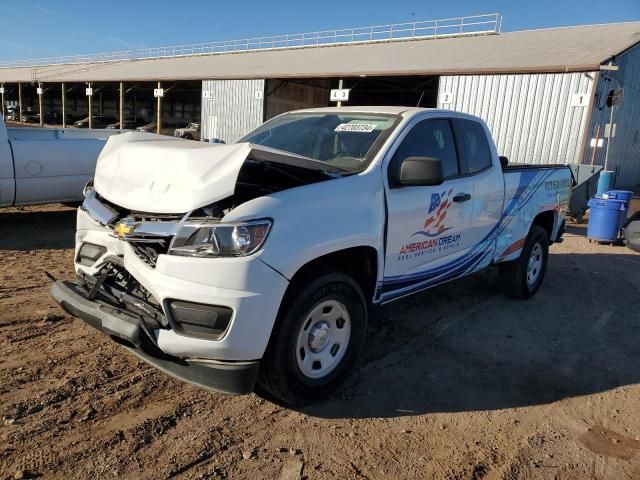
[(121, 105), (20, 101), (90, 108), (64, 105), (40, 104), (159, 116)]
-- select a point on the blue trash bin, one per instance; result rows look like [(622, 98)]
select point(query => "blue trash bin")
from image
[(604, 219), (605, 182), (625, 196)]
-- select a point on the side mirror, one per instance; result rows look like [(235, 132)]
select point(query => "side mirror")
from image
[(504, 161), (420, 171)]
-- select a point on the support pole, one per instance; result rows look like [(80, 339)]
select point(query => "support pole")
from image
[(20, 101), (159, 108), (100, 104), (40, 104), (121, 105), (606, 155), (90, 108), (64, 106), (339, 104), (2, 100)]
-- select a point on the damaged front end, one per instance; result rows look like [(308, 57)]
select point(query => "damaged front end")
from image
[(113, 302), (201, 231), (113, 290), (182, 321)]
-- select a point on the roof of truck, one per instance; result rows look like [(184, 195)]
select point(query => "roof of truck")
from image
[(364, 109), (385, 110)]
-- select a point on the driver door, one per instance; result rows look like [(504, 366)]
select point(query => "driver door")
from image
[(427, 239)]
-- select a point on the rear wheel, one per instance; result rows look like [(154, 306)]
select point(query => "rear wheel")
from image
[(522, 278), (317, 339)]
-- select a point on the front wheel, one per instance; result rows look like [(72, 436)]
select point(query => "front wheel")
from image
[(317, 339), (522, 278)]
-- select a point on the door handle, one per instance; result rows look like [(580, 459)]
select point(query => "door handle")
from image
[(462, 197)]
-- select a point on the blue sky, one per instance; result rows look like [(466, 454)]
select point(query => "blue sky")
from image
[(31, 29)]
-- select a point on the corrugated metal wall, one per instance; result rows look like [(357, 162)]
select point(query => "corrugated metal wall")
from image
[(530, 115), (624, 151), (231, 108)]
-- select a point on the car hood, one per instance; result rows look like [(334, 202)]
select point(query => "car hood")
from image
[(159, 174)]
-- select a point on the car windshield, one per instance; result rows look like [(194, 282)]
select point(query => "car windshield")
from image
[(348, 141)]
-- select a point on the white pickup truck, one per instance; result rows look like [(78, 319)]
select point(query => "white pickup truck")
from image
[(46, 165), (223, 265)]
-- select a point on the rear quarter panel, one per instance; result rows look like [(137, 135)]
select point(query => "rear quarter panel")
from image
[(529, 192)]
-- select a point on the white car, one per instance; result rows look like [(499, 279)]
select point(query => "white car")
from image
[(223, 265), (190, 132), (47, 165)]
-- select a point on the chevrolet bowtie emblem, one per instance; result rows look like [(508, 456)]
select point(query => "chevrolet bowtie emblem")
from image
[(122, 229)]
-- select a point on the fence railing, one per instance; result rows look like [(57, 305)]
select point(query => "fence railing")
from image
[(458, 26)]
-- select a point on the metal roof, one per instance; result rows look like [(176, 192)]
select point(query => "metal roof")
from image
[(581, 48)]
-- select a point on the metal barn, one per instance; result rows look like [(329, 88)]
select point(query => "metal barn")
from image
[(546, 94)]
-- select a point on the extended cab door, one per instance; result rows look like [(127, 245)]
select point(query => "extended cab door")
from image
[(479, 162), (427, 236)]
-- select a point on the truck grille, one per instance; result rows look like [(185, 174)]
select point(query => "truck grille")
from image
[(151, 233), (148, 252)]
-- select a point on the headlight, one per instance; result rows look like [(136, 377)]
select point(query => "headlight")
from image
[(198, 239)]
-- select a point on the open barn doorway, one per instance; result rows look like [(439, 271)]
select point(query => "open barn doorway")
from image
[(283, 95)]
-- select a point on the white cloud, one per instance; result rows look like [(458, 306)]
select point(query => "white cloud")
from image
[(125, 43), (43, 9)]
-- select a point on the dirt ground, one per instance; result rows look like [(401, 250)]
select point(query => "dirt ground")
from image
[(457, 382)]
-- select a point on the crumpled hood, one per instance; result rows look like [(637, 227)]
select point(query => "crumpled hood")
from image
[(160, 174)]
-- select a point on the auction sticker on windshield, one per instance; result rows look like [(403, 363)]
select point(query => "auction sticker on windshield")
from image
[(356, 127)]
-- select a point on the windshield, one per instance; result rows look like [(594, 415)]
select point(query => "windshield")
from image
[(348, 141)]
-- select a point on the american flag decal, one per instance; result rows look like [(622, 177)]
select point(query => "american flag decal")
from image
[(440, 202)]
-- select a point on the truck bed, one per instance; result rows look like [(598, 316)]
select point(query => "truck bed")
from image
[(527, 166)]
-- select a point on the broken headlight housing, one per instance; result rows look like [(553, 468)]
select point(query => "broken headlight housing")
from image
[(201, 239)]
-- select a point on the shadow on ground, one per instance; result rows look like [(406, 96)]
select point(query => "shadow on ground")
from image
[(33, 230), (464, 346)]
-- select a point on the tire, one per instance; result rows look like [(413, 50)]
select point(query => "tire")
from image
[(302, 363), (516, 279)]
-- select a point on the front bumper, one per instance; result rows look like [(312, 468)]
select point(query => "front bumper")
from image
[(132, 333)]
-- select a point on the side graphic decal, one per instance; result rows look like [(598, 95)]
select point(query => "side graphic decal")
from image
[(395, 286)]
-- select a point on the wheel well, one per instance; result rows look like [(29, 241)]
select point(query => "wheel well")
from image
[(546, 220), (361, 263)]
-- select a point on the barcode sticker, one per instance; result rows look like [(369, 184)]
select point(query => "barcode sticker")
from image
[(356, 127)]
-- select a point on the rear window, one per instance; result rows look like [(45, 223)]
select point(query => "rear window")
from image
[(477, 151)]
